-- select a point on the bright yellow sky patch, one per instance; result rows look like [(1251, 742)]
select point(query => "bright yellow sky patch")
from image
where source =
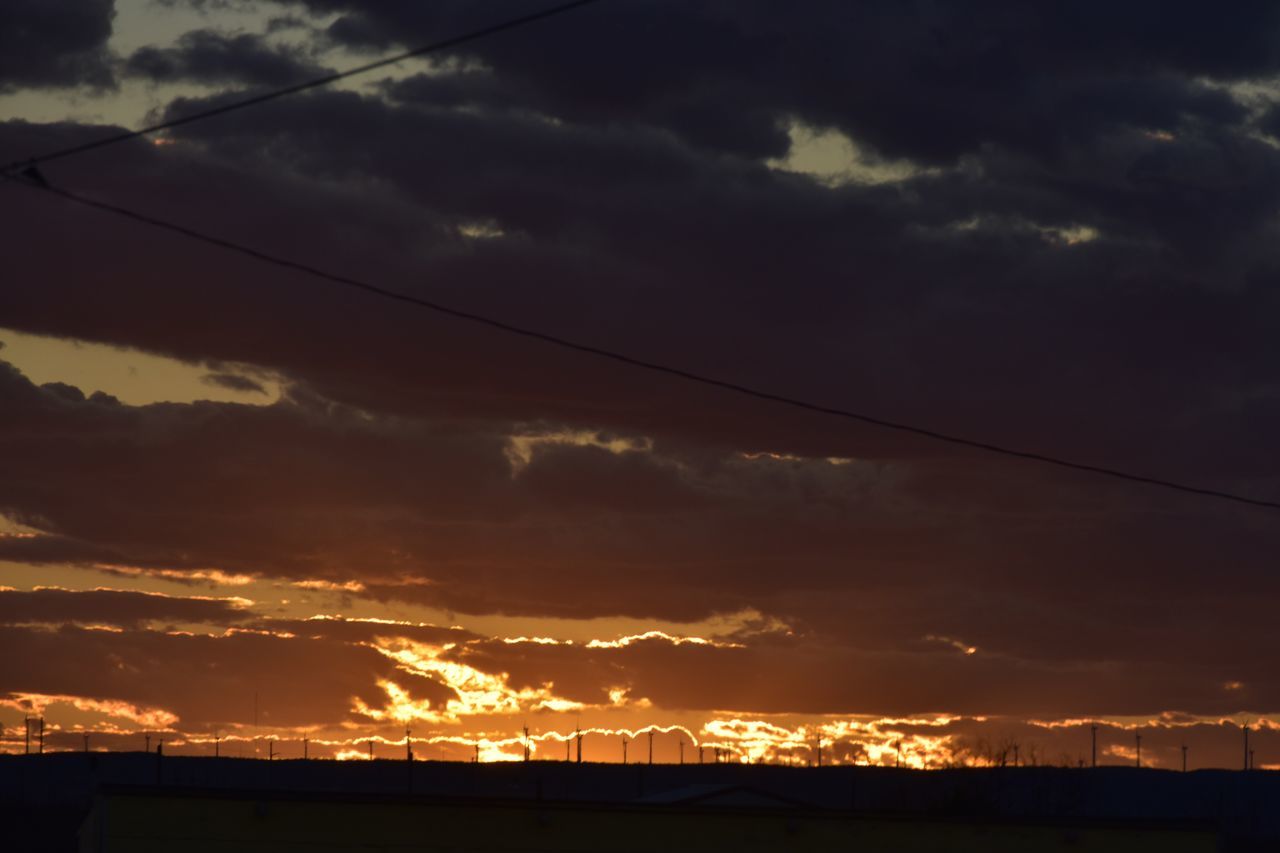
[(133, 376)]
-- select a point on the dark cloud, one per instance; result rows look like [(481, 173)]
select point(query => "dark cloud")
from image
[(112, 607), (207, 681), (52, 549), (55, 43), (234, 382), (824, 679), (912, 79), (208, 56), (866, 570)]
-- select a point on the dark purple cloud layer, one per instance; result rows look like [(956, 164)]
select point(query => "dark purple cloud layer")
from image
[(1080, 260)]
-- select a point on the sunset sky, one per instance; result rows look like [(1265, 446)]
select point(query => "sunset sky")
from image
[(242, 503)]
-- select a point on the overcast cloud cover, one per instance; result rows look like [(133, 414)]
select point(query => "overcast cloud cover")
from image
[(1050, 226)]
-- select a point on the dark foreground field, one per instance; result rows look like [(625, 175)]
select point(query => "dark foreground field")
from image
[(47, 799)]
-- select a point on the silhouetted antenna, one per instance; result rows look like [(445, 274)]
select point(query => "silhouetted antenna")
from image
[(1138, 760), (1093, 749), (650, 746), (1184, 758), (1246, 745)]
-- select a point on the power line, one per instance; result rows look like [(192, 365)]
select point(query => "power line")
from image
[(32, 178), (316, 83)]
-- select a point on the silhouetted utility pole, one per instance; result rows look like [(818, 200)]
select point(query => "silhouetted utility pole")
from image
[(1184, 758), (650, 746), (1138, 762), (1093, 749)]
